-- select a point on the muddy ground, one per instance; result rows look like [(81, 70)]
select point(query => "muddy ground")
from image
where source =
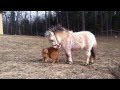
[(20, 58)]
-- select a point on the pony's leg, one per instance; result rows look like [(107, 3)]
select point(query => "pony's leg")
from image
[(91, 59), (88, 54), (93, 55), (69, 57)]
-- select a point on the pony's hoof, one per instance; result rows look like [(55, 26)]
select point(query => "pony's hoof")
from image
[(87, 64), (70, 62), (90, 63), (45, 61)]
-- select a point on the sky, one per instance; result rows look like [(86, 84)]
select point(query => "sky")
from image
[(33, 13), (41, 14)]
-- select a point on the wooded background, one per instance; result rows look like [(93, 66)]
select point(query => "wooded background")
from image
[(105, 23)]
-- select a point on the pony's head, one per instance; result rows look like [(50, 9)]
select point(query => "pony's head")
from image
[(51, 34)]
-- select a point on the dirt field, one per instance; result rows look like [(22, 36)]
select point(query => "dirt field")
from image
[(20, 58)]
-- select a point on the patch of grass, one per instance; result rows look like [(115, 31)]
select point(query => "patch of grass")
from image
[(20, 57), (115, 72)]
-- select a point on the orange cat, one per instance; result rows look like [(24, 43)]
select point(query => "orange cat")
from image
[(50, 52)]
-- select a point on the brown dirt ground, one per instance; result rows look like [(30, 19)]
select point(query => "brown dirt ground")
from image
[(20, 58)]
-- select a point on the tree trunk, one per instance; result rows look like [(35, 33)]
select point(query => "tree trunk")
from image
[(49, 14), (17, 22), (31, 24), (101, 22), (25, 18), (106, 16), (12, 21), (95, 21), (111, 22), (36, 23), (60, 19), (46, 20), (67, 19), (57, 16), (6, 21), (78, 25), (22, 30), (19, 25), (83, 20)]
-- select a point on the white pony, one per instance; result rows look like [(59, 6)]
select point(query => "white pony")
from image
[(85, 40)]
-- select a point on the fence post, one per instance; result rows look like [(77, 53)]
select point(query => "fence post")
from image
[(1, 23)]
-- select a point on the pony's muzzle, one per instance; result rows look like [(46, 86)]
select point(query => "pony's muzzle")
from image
[(56, 46)]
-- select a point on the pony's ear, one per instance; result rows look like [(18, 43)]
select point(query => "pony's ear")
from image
[(46, 34), (59, 25), (50, 27)]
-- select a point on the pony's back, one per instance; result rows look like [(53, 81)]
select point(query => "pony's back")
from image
[(88, 36)]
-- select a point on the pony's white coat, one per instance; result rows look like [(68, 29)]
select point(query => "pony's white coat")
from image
[(69, 40), (83, 39)]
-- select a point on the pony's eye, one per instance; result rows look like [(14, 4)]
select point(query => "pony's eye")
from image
[(52, 40)]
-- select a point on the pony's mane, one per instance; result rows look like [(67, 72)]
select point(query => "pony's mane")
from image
[(57, 28)]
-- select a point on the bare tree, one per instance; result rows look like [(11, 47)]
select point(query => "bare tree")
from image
[(101, 21), (49, 18), (106, 16), (36, 22), (25, 18), (46, 19), (12, 22), (83, 20), (57, 16), (6, 23), (31, 23), (111, 12), (60, 17), (17, 22), (20, 18), (78, 25), (67, 19), (95, 20)]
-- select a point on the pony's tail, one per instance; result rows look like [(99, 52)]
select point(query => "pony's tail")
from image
[(93, 51)]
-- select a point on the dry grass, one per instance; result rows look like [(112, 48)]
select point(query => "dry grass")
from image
[(20, 58)]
